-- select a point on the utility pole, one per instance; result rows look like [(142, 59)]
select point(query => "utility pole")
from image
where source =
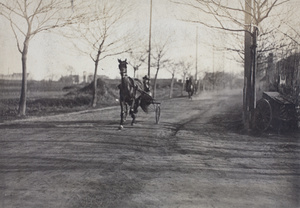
[(149, 54), (254, 62), (196, 75), (253, 71), (247, 67)]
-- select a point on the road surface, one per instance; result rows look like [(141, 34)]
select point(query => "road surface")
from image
[(190, 159)]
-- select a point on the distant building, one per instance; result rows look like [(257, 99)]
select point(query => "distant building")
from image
[(14, 76), (90, 77), (220, 80), (75, 79), (282, 76)]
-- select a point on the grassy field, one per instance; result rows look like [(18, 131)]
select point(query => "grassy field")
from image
[(51, 97)]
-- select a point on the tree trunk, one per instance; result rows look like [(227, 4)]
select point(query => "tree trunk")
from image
[(183, 84), (22, 103), (171, 86), (94, 100), (154, 86)]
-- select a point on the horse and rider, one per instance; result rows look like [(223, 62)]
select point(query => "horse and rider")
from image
[(132, 93), (189, 86)]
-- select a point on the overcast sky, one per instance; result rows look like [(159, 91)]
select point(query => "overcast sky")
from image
[(51, 55)]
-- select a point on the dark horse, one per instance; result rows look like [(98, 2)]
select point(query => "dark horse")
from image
[(129, 93), (190, 87)]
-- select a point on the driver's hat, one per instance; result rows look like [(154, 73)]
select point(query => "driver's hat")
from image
[(146, 77)]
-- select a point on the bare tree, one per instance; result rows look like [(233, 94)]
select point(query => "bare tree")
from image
[(293, 34), (229, 15), (172, 68), (137, 58), (185, 68), (27, 18), (101, 35), (159, 59), (274, 34), (237, 16)]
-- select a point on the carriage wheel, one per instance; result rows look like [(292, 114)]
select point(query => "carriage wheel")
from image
[(157, 113), (263, 115)]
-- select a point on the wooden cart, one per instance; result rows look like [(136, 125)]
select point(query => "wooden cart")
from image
[(275, 111)]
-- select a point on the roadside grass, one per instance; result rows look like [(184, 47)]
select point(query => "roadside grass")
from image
[(55, 98)]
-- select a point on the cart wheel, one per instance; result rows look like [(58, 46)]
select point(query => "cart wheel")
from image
[(157, 113), (263, 115)]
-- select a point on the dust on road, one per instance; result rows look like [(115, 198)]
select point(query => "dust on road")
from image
[(191, 159)]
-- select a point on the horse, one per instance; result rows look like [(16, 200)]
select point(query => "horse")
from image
[(129, 94), (190, 88)]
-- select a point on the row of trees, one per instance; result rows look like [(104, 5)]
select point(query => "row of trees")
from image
[(251, 27)]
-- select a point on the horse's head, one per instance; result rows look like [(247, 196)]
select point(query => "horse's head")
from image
[(123, 67)]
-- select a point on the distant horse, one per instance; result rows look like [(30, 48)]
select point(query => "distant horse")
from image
[(190, 88), (129, 94)]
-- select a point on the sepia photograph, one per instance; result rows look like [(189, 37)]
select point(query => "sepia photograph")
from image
[(150, 104)]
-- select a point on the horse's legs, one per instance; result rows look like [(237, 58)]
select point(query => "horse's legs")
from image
[(122, 114), (133, 119), (125, 112), (190, 94), (132, 111), (136, 104)]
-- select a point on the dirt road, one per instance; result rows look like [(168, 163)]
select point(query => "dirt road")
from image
[(190, 159)]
